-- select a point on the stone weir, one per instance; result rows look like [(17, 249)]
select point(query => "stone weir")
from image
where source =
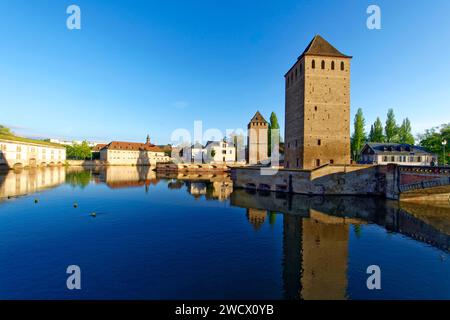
[(190, 167), (324, 180)]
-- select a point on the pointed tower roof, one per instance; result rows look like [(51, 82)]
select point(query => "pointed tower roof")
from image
[(321, 47), (258, 118)]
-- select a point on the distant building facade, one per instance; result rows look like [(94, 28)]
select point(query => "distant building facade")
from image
[(71, 143), (32, 153), (317, 108), (257, 139), (197, 153), (219, 152), (403, 154), (132, 153)]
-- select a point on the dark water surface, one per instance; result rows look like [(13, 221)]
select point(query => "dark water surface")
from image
[(193, 237)]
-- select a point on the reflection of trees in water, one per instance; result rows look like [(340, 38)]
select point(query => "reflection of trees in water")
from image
[(78, 178), (177, 184)]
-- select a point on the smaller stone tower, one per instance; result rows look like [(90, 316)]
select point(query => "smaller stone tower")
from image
[(257, 141), (147, 141)]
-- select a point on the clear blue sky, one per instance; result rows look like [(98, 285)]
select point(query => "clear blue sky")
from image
[(139, 67)]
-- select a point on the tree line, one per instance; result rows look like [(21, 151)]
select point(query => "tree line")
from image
[(391, 132), (79, 151), (432, 140)]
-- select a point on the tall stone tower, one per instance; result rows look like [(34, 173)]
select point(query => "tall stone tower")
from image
[(257, 141), (317, 108)]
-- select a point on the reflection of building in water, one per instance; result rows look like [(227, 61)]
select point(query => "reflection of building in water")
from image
[(123, 177), (222, 190), (197, 188), (212, 185), (316, 234), (256, 217), (325, 257), (316, 257), (22, 182)]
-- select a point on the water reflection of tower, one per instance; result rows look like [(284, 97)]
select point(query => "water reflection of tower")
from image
[(256, 217), (315, 257)]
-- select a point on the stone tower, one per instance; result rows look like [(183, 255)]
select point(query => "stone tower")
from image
[(257, 141), (317, 108)]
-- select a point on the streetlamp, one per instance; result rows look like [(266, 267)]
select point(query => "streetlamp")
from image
[(444, 143)]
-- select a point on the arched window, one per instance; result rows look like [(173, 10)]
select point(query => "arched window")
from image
[(342, 65), (313, 64), (295, 74), (332, 65), (301, 67), (323, 64)]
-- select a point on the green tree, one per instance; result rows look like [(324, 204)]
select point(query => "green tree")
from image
[(404, 133), (273, 125), (432, 139), (391, 129), (376, 131), (5, 130), (359, 135), (79, 151)]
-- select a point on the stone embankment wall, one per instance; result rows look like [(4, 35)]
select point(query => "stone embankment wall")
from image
[(325, 180), (85, 163)]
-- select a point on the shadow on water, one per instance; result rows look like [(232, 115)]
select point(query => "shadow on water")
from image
[(316, 232)]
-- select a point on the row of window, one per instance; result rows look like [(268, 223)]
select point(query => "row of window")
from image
[(30, 149), (404, 159), (319, 143), (292, 77)]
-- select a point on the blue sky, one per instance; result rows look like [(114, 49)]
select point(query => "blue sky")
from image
[(139, 67)]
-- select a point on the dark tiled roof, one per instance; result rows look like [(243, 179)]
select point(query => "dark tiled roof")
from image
[(132, 146), (98, 147), (321, 47), (396, 148), (258, 118)]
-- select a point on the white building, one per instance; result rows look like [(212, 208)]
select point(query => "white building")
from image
[(73, 142), (403, 154), (30, 153), (219, 152), (132, 153)]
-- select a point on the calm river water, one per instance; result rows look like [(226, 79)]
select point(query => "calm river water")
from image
[(194, 237)]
